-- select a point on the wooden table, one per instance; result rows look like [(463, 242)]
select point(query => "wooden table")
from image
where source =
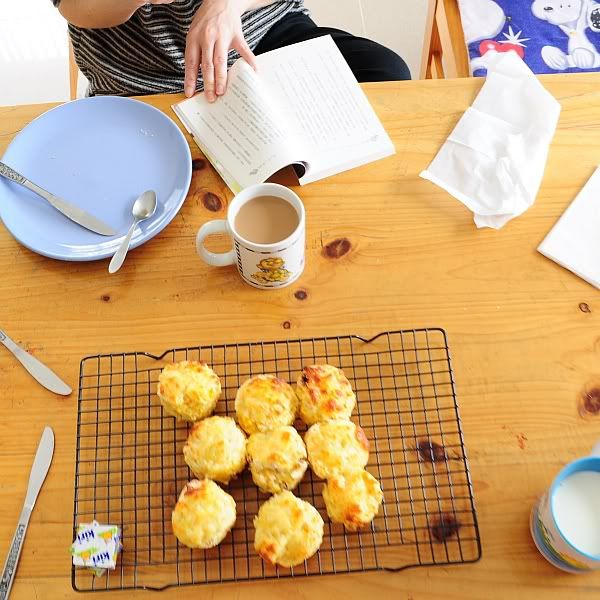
[(524, 334)]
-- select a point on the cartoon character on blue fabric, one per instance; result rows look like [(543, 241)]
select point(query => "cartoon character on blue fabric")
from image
[(573, 17), (483, 21)]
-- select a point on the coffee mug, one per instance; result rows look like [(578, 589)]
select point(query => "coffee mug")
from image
[(565, 522), (262, 265)]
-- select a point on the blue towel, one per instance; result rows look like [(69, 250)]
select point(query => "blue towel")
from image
[(551, 36)]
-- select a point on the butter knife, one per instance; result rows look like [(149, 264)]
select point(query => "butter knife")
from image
[(39, 371), (76, 214), (39, 470)]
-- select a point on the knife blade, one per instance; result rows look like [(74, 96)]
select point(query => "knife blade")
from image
[(76, 214), (39, 470), (39, 371)]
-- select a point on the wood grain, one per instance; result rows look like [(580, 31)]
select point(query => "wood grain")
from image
[(524, 334)]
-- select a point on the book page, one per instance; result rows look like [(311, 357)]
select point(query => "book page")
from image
[(324, 106), (243, 134)]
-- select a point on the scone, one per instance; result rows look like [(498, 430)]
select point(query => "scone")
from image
[(288, 530), (216, 449), (324, 393), (335, 446), (277, 459), (352, 498), (265, 402), (189, 390), (203, 515)]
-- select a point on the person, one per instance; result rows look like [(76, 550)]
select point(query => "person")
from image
[(137, 47)]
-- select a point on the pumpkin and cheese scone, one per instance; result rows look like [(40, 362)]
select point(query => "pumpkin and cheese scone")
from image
[(352, 498), (288, 530), (265, 402), (203, 515), (216, 449), (277, 459), (335, 446), (324, 393), (188, 390)]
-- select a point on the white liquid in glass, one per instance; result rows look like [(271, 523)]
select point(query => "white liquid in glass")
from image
[(576, 505)]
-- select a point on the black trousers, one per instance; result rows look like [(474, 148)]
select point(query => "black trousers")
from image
[(368, 60)]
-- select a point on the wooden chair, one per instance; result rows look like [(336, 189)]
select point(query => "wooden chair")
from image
[(445, 53)]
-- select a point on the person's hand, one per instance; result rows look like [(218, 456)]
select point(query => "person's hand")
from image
[(216, 28)]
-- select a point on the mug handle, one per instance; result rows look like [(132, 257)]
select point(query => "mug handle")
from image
[(221, 259)]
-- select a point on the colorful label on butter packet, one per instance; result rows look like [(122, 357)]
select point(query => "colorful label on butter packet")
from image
[(96, 547)]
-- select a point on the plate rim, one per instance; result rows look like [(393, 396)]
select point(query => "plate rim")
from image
[(101, 255)]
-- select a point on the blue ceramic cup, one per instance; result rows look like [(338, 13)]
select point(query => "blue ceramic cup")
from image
[(553, 543)]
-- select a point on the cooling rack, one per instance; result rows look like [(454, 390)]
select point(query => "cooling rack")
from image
[(130, 467)]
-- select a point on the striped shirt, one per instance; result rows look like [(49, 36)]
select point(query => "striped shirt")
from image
[(145, 55)]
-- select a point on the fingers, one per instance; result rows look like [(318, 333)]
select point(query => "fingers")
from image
[(192, 65), (208, 71), (214, 52), (240, 44), (220, 60)]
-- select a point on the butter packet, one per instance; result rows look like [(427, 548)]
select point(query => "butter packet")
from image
[(96, 547)]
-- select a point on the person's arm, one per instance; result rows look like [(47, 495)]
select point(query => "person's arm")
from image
[(96, 14), (216, 28)]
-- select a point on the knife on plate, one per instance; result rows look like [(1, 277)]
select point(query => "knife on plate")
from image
[(39, 371), (39, 470), (76, 214)]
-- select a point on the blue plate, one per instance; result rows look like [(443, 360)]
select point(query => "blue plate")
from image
[(100, 154)]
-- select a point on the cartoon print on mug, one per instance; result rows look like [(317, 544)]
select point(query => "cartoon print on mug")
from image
[(272, 270)]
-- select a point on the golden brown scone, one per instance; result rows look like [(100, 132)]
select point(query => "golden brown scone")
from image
[(324, 393), (288, 530), (277, 459), (335, 446), (352, 498), (265, 402), (203, 515), (216, 449), (189, 390)]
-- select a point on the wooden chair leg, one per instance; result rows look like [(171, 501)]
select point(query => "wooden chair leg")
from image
[(428, 40), (73, 72), (451, 39), (435, 68)]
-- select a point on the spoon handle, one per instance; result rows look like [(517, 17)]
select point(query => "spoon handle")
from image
[(117, 260)]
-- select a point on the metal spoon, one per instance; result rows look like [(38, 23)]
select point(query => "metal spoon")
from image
[(143, 208)]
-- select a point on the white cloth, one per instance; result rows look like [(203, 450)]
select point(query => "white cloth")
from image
[(494, 160), (574, 242)]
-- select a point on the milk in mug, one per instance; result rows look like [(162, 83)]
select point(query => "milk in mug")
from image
[(565, 523)]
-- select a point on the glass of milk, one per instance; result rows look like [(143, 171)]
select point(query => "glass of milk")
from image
[(565, 523)]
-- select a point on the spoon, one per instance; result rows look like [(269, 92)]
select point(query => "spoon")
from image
[(143, 208)]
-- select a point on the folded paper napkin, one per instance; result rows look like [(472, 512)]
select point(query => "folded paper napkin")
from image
[(574, 242), (494, 160)]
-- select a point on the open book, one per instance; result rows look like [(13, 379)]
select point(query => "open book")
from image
[(303, 107)]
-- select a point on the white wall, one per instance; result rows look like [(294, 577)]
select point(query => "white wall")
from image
[(34, 51)]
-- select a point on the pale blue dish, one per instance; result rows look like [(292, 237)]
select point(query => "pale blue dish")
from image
[(100, 154)]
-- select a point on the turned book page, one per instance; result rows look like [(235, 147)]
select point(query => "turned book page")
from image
[(243, 134), (324, 106)]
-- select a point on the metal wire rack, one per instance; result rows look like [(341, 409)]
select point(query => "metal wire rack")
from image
[(130, 466)]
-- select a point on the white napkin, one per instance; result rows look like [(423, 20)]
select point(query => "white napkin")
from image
[(574, 242), (494, 160)]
